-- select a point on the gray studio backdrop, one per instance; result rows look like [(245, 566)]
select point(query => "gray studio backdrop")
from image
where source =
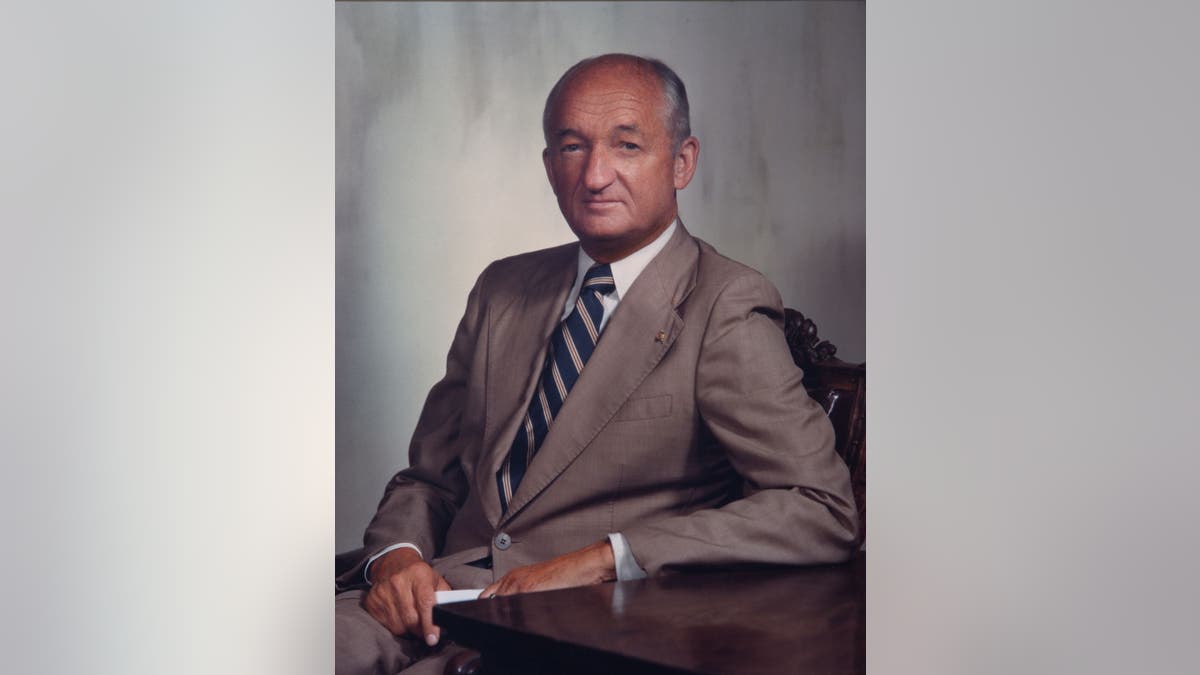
[(439, 172)]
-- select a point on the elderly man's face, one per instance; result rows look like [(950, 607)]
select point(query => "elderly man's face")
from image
[(611, 162)]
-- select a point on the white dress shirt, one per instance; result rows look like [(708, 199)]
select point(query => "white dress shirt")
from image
[(624, 271)]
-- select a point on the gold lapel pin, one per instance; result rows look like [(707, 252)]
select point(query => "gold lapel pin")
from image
[(661, 337)]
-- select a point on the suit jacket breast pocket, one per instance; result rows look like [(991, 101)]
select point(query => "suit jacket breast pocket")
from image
[(644, 408)]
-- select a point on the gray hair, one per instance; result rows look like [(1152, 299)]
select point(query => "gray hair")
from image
[(678, 115)]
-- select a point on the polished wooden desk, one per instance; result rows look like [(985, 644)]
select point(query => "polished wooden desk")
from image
[(793, 620)]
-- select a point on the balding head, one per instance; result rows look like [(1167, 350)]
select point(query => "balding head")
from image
[(676, 114)]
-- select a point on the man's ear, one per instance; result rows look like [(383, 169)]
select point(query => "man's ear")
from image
[(685, 161), (546, 163)]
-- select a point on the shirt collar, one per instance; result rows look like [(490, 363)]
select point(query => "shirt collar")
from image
[(626, 270)]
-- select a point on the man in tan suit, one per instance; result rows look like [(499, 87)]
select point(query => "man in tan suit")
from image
[(611, 409)]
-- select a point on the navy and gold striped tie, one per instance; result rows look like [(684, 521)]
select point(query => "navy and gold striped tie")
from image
[(570, 348)]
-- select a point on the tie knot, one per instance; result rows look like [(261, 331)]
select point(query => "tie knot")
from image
[(599, 278)]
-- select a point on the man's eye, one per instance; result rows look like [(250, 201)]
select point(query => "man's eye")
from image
[(629, 146), (570, 147)]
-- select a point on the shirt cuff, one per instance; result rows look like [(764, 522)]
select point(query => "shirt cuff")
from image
[(393, 547), (627, 567)]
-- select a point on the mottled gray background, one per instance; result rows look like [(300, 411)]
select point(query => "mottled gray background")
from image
[(439, 173)]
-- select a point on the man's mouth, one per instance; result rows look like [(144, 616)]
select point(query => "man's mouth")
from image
[(600, 204)]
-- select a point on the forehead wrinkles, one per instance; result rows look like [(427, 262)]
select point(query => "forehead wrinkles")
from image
[(626, 104)]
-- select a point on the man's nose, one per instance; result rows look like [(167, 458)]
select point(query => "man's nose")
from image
[(598, 172)]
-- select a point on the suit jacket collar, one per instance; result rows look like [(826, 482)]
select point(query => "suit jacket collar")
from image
[(637, 336)]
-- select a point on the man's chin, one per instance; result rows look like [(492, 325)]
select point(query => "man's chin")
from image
[(599, 230)]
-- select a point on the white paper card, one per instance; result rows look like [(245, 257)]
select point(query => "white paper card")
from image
[(461, 595)]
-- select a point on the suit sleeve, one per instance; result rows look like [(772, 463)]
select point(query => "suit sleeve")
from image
[(420, 501), (797, 506)]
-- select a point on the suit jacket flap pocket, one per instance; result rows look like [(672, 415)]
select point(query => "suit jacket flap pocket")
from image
[(647, 407)]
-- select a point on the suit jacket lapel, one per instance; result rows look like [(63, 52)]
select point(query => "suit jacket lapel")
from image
[(518, 335), (636, 337)]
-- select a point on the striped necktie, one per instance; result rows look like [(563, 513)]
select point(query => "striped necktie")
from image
[(570, 347)]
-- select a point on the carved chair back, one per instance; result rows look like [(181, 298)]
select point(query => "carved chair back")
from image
[(840, 388)]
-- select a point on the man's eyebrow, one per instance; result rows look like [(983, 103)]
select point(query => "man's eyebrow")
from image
[(629, 128), (563, 133)]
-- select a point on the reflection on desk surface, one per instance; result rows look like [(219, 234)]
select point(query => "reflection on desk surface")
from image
[(777, 620)]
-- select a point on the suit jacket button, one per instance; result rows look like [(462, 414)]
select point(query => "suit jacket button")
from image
[(503, 541)]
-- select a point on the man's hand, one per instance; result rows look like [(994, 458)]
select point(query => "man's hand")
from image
[(589, 565), (402, 594)]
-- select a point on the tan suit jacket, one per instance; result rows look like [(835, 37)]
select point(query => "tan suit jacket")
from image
[(688, 431)]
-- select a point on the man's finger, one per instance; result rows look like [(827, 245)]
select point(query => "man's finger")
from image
[(505, 585), (371, 604), (490, 590), (382, 606), (442, 585), (410, 616), (426, 599)]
